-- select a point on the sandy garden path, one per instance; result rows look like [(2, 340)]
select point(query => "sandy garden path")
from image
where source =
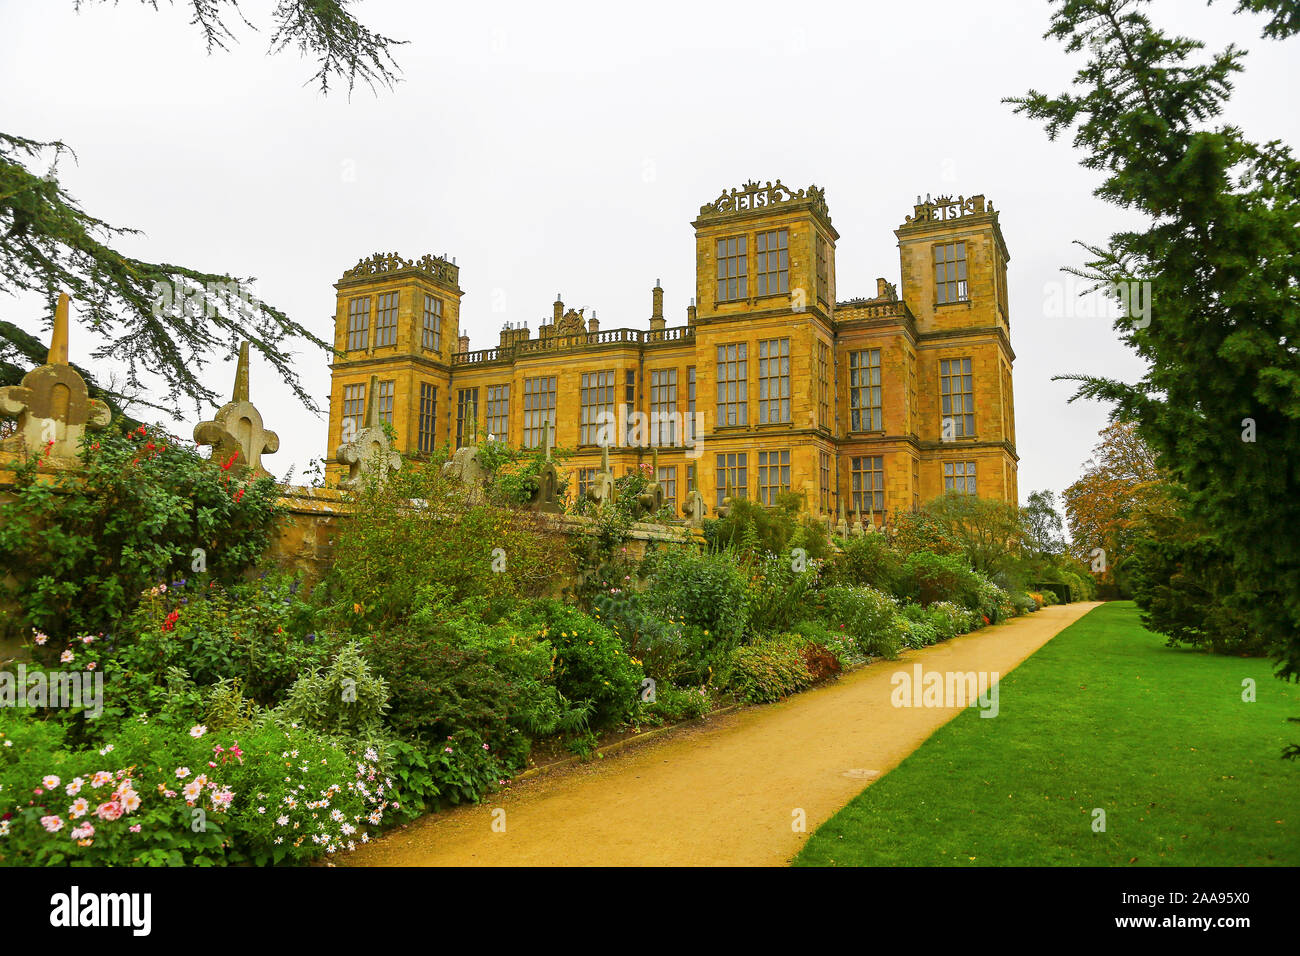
[(722, 791)]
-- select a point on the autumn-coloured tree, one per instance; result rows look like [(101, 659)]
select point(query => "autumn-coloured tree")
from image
[(1112, 504)]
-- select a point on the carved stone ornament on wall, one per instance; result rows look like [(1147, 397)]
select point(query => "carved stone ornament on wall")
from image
[(754, 196), (945, 207), (382, 263), (572, 324)]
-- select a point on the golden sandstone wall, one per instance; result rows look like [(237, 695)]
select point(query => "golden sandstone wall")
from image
[(775, 249)]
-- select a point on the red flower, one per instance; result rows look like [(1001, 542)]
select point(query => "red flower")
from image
[(229, 461), (172, 618), (239, 494)]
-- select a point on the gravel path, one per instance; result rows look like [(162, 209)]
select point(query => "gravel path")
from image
[(724, 791)]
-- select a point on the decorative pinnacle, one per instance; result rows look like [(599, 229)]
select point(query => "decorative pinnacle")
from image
[(59, 334), (240, 393), (372, 403)]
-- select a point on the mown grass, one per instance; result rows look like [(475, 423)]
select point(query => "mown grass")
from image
[(1105, 717)]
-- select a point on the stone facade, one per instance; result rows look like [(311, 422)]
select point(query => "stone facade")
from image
[(866, 402)]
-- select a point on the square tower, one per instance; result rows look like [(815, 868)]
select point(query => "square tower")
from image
[(397, 319)]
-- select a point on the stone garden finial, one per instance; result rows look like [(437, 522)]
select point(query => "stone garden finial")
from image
[(602, 489), (694, 508), (52, 405), (370, 453), (842, 529), (858, 530), (237, 428), (651, 498)]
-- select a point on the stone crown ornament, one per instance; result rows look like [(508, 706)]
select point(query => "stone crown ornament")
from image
[(53, 407), (237, 428)]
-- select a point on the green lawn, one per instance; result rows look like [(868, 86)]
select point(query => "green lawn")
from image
[(1104, 716)]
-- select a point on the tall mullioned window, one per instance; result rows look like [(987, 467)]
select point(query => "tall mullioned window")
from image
[(629, 396), (959, 476), (733, 402), (916, 485), (950, 272), (773, 261), (824, 479), (733, 476), (733, 269), (386, 320), (773, 381), (667, 477), (869, 484), (823, 385), (433, 323), (359, 323), (864, 391), (690, 404), (957, 398), (773, 475), (539, 409), (823, 270), (596, 409), (386, 392), (498, 412), (663, 406), (354, 409), (585, 478), (428, 415), (466, 416)]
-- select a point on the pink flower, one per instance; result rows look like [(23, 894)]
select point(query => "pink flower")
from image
[(66, 657), (109, 811), (52, 824), (135, 828)]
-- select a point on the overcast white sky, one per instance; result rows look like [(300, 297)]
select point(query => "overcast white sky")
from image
[(567, 147)]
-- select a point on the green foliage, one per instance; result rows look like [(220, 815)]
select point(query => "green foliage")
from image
[(466, 548), (591, 663), (865, 615), (1216, 239), (938, 577), (1185, 586), (870, 561), (673, 704), (259, 633), (779, 586), (89, 542), (768, 670), (708, 591), (344, 699), (754, 530)]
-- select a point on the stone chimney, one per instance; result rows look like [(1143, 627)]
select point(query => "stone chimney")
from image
[(657, 322), (464, 342), (690, 313), (882, 288), (506, 334), (558, 308), (592, 324)]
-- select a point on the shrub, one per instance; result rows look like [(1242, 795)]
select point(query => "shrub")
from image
[(708, 591), (344, 700), (947, 619), (754, 530), (163, 796), (834, 640), (88, 542), (777, 591), (673, 704), (768, 670), (869, 561), (866, 615), (937, 577), (259, 633), (591, 664), (420, 530)]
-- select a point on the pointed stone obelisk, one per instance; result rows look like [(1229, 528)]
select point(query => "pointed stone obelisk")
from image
[(52, 405), (370, 453), (237, 429)]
